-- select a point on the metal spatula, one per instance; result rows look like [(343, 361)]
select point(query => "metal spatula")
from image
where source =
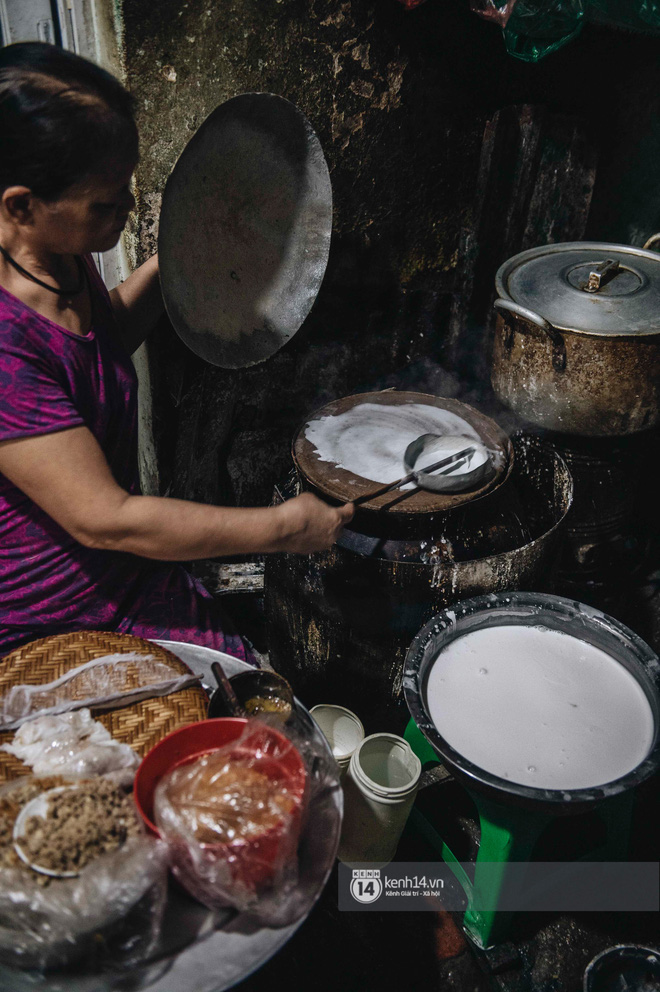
[(448, 462)]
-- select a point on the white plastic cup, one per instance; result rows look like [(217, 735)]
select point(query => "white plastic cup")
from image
[(342, 729), (379, 791)]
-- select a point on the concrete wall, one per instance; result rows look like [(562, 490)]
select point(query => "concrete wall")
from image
[(399, 101)]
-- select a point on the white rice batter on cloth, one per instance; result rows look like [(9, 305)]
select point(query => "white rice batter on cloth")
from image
[(370, 440)]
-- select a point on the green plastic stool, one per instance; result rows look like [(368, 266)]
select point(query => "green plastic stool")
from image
[(508, 834)]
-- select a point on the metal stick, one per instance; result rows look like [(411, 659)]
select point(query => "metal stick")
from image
[(225, 687)]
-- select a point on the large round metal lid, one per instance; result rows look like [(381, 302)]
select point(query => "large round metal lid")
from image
[(245, 230), (380, 410), (584, 286)]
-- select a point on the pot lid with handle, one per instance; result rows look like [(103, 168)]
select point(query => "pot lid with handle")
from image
[(245, 230), (586, 286)]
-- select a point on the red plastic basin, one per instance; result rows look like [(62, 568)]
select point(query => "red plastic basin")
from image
[(251, 862)]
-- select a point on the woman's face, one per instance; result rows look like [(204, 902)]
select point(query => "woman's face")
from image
[(89, 216)]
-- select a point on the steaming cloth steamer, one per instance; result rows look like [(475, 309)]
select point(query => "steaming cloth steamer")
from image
[(390, 411), (340, 622)]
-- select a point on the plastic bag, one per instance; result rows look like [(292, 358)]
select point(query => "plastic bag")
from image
[(498, 11), (94, 685), (233, 818), (73, 745), (107, 917), (535, 28)]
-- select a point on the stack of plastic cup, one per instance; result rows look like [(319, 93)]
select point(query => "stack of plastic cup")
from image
[(342, 730)]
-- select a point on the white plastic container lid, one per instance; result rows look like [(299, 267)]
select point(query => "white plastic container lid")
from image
[(341, 728)]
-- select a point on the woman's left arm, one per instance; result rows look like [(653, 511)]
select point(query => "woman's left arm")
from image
[(138, 303)]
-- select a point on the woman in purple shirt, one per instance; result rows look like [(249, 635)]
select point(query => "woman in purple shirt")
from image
[(80, 548)]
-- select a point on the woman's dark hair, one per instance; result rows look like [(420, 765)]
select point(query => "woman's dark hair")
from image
[(61, 119)]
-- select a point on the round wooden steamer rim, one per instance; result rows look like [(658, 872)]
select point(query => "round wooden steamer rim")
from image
[(339, 484)]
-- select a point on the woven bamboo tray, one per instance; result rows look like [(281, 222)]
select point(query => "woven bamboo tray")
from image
[(140, 725)]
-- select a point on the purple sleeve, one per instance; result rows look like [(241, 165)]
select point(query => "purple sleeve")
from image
[(33, 400)]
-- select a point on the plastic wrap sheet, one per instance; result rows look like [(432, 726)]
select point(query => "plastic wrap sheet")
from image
[(498, 11), (107, 917), (94, 685), (74, 745), (232, 819)]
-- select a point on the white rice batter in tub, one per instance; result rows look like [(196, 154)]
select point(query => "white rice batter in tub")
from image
[(539, 707), (370, 440)]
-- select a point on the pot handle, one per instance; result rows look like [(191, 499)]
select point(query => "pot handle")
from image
[(654, 239), (558, 346)]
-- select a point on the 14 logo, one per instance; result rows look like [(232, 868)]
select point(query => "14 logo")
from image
[(366, 885)]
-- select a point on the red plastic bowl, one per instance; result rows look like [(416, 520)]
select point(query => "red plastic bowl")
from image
[(254, 861)]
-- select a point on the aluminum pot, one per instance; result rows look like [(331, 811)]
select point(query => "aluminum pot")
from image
[(577, 340)]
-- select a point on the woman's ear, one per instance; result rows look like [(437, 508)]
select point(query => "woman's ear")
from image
[(17, 205)]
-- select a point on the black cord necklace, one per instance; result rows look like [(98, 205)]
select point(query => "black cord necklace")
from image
[(58, 292)]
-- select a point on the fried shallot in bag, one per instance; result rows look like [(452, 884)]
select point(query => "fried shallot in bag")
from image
[(233, 819)]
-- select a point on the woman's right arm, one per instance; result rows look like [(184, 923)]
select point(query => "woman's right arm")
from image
[(67, 475)]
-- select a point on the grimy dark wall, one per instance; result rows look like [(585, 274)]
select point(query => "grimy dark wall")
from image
[(446, 156)]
